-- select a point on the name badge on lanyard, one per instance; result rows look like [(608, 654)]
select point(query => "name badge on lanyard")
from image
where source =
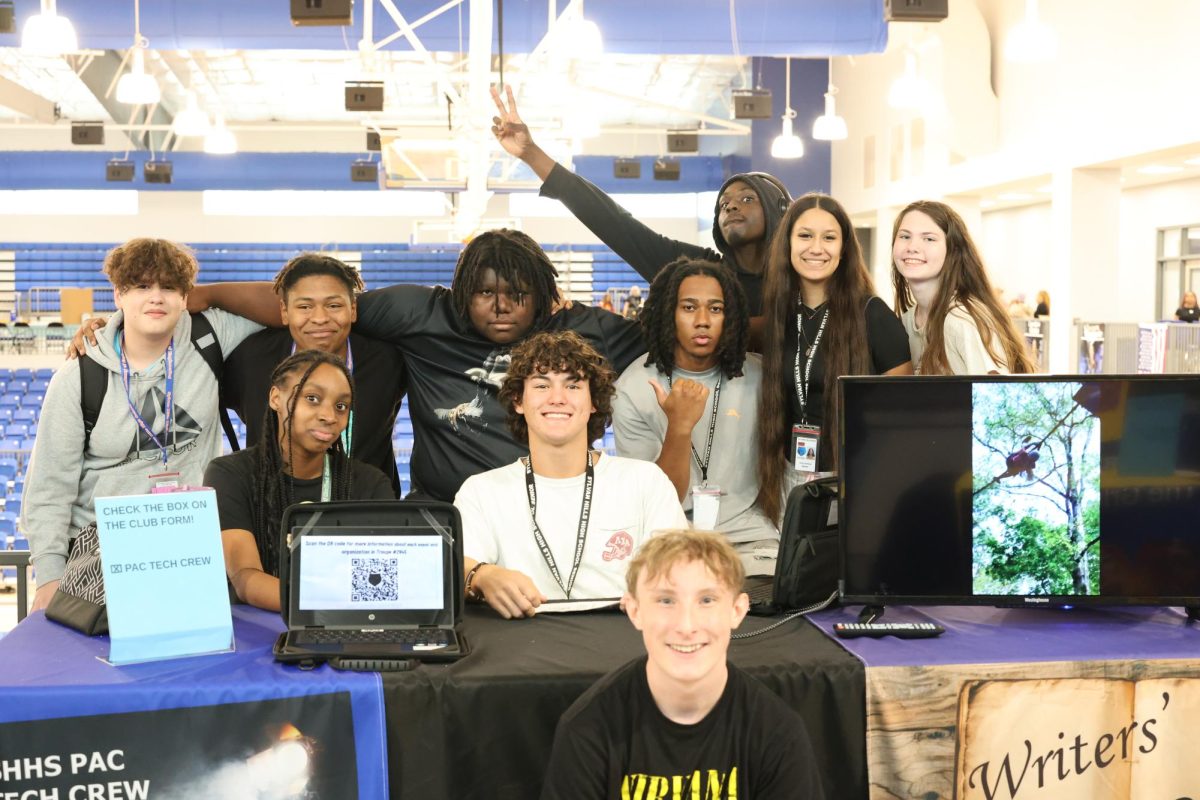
[(806, 438), (168, 397)]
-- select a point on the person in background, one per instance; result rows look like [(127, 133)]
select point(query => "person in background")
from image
[(158, 414), (1043, 305), (681, 721), (606, 302), (823, 320), (691, 406), (748, 209), (1018, 308), (299, 458), (565, 511), (1189, 310), (633, 303), (318, 303), (944, 298)]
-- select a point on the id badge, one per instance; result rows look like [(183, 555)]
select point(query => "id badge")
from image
[(805, 442), (706, 506), (164, 482)]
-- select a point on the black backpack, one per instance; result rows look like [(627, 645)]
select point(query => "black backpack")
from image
[(807, 572), (93, 380)]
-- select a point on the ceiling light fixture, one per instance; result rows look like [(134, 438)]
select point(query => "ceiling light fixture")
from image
[(220, 141), (829, 126), (48, 34), (909, 90), (1030, 41), (137, 87), (787, 144), (191, 121)]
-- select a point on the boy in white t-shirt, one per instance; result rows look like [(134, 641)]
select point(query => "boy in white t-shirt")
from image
[(563, 522)]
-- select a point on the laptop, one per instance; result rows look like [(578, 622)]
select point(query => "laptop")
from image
[(371, 584)]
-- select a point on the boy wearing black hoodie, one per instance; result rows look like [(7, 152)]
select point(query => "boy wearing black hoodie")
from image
[(749, 208)]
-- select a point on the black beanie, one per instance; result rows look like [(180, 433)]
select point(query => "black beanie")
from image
[(773, 196)]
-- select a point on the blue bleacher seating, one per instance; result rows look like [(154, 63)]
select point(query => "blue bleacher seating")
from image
[(26, 414), (23, 373), (11, 443), (15, 429), (27, 443), (8, 529), (43, 373), (20, 543), (33, 399), (11, 399), (39, 385), (13, 505), (8, 469), (17, 386)]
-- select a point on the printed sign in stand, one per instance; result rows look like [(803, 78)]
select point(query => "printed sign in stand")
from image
[(164, 576)]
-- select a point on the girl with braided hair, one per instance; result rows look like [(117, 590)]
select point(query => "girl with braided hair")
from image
[(301, 457)]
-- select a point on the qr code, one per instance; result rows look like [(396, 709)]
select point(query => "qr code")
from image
[(373, 580)]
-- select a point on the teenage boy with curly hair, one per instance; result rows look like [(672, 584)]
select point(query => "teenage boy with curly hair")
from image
[(561, 523)]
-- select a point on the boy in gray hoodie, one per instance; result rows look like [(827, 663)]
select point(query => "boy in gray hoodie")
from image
[(159, 412)]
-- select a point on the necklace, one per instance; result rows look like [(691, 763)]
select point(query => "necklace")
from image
[(807, 315)]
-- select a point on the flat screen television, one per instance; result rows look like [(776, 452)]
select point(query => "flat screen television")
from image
[(1020, 490)]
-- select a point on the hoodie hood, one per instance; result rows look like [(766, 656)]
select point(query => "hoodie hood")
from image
[(772, 195)]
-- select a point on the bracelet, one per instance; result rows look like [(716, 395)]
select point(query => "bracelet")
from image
[(471, 592)]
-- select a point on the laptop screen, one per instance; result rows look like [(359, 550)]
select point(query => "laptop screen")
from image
[(371, 576), (381, 572), (1022, 490)]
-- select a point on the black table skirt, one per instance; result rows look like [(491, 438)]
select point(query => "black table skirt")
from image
[(483, 727)]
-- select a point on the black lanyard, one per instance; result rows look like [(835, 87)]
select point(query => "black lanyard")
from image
[(585, 514), (809, 357), (712, 429)]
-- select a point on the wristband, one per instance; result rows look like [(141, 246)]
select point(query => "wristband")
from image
[(471, 592)]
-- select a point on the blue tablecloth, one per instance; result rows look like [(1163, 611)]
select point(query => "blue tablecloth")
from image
[(48, 672)]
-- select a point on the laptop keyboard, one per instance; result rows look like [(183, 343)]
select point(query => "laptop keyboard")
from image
[(401, 637)]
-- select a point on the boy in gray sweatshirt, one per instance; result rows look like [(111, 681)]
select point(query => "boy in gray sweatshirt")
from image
[(159, 412)]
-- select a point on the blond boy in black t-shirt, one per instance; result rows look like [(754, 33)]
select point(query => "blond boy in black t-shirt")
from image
[(682, 721)]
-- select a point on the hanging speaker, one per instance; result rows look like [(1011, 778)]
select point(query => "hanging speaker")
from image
[(752, 103), (665, 170), (323, 12), (627, 168), (915, 10)]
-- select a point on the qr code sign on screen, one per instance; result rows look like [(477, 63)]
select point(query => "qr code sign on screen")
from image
[(373, 580)]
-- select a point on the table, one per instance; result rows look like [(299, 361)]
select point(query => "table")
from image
[(188, 727), (479, 728), (969, 714), (483, 727)]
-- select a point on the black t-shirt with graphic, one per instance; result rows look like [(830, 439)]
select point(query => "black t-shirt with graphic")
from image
[(232, 477), (614, 742), (380, 381), (454, 375)]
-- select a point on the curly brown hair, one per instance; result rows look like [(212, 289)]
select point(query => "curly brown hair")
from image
[(566, 352), (170, 265)]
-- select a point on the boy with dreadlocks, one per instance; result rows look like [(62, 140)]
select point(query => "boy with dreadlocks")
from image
[(318, 302), (456, 345), (691, 406), (300, 458), (587, 512)]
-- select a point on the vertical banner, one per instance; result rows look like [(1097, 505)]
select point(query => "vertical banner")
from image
[(164, 575)]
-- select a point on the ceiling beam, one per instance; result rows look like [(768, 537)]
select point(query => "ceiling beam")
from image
[(101, 74), (19, 99)]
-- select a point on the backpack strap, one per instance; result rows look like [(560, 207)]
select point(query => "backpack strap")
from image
[(93, 380), (93, 383), (204, 339)]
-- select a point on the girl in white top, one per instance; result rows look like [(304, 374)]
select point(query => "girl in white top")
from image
[(955, 324)]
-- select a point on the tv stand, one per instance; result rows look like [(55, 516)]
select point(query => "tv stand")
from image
[(870, 614), (1193, 613)]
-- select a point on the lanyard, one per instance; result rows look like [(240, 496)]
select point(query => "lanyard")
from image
[(348, 434), (712, 429), (585, 514), (809, 357), (326, 482), (168, 398)]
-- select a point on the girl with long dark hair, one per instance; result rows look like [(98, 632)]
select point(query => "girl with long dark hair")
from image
[(954, 322), (300, 458), (822, 320)]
